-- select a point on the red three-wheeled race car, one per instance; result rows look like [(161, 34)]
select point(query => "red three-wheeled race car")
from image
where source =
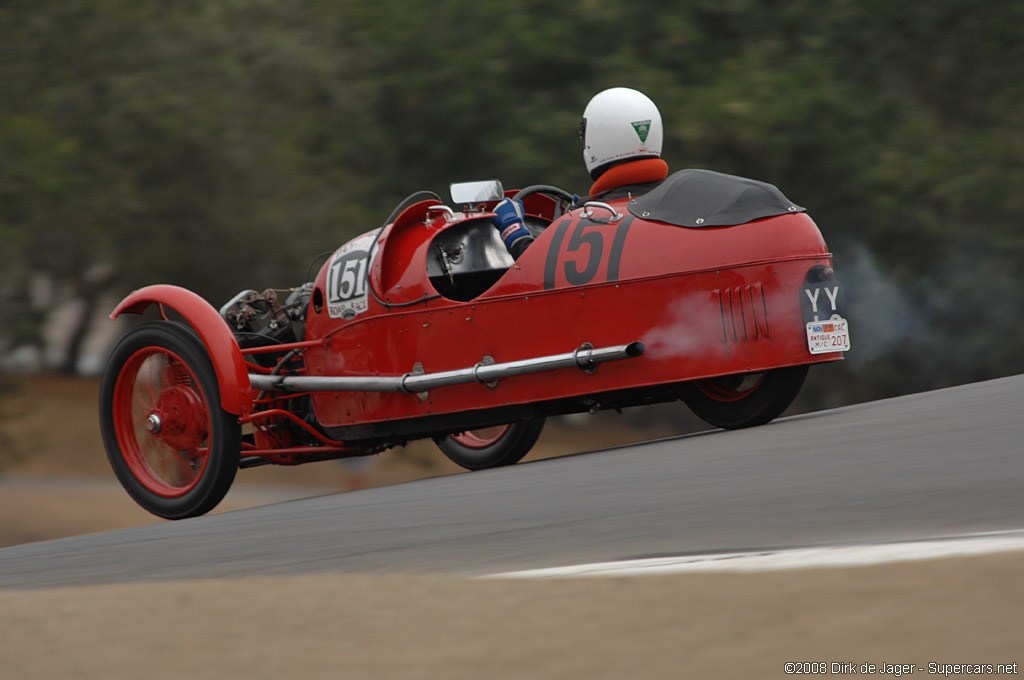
[(711, 289)]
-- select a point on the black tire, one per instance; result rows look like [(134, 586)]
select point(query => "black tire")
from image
[(735, 402), (171, 445), (478, 450)]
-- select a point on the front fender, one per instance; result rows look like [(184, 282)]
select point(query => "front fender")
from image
[(228, 364)]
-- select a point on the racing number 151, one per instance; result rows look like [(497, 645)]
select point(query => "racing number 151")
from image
[(583, 232), (346, 278)]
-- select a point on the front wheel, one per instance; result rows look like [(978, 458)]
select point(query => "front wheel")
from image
[(171, 445), (492, 446), (737, 401)]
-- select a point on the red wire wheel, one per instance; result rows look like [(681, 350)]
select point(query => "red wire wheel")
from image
[(171, 445), (482, 438), (730, 387), (492, 446), (162, 422), (736, 401)]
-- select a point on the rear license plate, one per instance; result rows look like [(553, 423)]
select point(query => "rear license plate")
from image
[(828, 336)]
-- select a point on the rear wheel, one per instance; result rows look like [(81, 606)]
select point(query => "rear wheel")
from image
[(737, 401), (171, 445), (492, 446)]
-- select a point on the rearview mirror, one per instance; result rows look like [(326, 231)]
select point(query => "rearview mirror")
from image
[(477, 192)]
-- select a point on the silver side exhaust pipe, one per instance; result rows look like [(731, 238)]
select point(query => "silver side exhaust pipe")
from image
[(487, 372)]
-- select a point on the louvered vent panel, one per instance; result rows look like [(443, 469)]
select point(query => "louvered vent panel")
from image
[(744, 313)]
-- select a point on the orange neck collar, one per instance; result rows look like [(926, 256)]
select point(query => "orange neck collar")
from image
[(634, 172)]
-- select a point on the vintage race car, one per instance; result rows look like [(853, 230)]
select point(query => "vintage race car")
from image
[(711, 289)]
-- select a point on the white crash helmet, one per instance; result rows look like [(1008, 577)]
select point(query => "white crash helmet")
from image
[(619, 124)]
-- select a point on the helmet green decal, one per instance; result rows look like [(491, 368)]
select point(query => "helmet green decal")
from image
[(642, 127)]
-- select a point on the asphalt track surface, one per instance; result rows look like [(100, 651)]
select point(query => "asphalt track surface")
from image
[(923, 466)]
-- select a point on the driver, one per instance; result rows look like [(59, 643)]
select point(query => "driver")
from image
[(622, 137)]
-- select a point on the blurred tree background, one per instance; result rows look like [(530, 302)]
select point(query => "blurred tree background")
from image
[(221, 144)]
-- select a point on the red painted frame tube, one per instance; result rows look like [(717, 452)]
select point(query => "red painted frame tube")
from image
[(260, 415), (228, 364), (267, 349)]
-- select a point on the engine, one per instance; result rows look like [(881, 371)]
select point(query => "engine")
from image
[(259, 319)]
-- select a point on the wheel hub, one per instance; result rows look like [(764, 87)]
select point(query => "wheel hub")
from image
[(179, 419), (153, 423)]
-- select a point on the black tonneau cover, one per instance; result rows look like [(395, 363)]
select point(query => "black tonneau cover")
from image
[(702, 198)]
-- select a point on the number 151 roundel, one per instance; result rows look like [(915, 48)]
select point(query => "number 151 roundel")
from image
[(346, 278)]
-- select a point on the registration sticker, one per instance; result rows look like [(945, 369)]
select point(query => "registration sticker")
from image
[(828, 336)]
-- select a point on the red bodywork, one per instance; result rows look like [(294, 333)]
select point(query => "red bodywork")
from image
[(704, 302)]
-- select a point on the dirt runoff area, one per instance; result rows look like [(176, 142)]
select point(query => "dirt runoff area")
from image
[(937, 618), (909, 616)]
